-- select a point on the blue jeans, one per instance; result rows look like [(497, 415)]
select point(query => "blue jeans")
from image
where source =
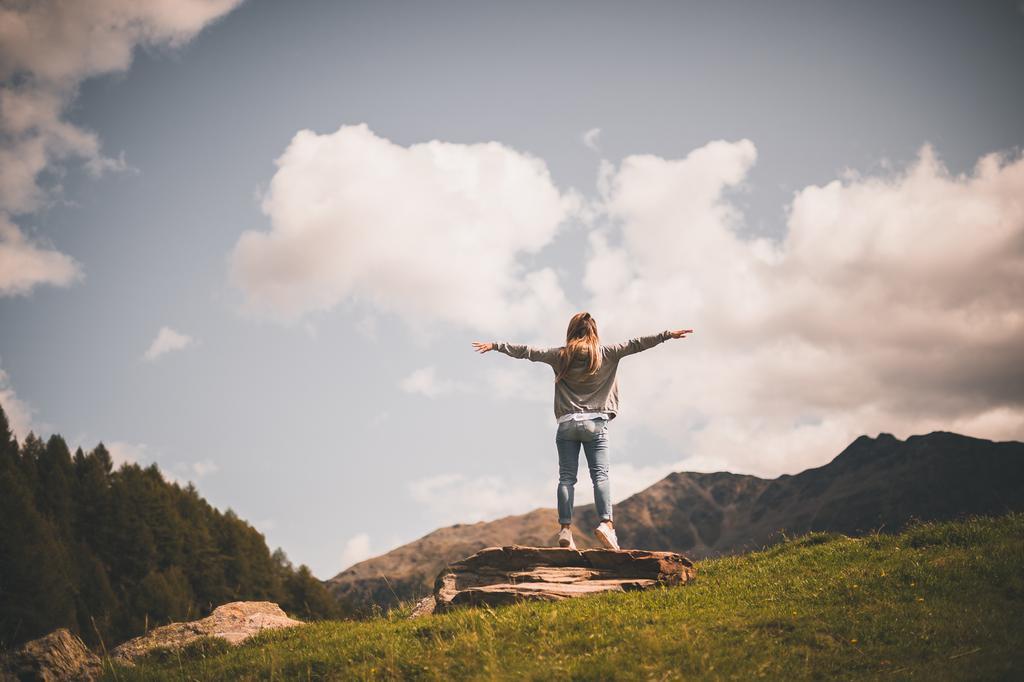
[(593, 435)]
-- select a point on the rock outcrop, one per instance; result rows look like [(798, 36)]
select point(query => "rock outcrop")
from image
[(234, 623), (505, 575), (58, 656)]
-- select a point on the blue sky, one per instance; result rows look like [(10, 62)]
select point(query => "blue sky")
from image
[(253, 242)]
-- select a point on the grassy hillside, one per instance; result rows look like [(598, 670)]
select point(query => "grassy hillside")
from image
[(939, 601)]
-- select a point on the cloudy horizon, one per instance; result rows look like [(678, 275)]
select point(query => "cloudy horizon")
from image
[(252, 243)]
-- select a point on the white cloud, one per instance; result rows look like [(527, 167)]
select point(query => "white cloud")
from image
[(122, 452), (590, 138), (892, 304), (25, 264), (425, 382), (457, 498), (183, 472), (357, 548), (19, 413), (166, 341), (47, 48), (205, 468), (433, 231)]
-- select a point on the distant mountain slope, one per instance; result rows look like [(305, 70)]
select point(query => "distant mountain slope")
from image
[(875, 483), (409, 570)]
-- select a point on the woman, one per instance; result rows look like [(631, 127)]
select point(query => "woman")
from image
[(586, 399)]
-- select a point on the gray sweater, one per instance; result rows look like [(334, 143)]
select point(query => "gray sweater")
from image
[(578, 391)]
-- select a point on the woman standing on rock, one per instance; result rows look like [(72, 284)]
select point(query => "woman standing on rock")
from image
[(586, 399)]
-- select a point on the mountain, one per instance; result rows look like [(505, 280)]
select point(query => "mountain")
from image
[(874, 484)]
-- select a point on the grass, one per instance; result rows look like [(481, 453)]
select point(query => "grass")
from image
[(939, 601)]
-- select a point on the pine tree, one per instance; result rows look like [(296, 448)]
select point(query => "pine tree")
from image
[(92, 497), (35, 594), (160, 598), (97, 606), (133, 550), (306, 597), (56, 481)]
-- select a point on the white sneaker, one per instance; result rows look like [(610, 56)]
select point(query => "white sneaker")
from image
[(607, 537), (565, 539)]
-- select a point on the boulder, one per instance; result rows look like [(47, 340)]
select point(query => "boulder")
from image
[(234, 623), (424, 607), (59, 655), (505, 575)]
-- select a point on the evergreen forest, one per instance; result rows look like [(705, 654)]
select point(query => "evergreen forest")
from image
[(109, 553)]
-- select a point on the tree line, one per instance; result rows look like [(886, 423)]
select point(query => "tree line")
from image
[(110, 553)]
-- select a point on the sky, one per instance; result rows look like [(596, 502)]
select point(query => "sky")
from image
[(252, 242)]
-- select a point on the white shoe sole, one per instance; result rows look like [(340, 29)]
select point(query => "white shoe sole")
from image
[(605, 539)]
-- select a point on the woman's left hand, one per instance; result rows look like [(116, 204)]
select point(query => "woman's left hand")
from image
[(680, 333)]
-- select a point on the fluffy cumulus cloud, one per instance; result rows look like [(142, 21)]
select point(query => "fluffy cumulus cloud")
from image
[(433, 231), (47, 48), (355, 550), (167, 340), (24, 263), (891, 304)]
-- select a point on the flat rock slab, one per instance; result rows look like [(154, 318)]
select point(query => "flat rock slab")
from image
[(505, 575), (234, 622)]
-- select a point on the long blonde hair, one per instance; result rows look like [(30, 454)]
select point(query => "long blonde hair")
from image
[(581, 340)]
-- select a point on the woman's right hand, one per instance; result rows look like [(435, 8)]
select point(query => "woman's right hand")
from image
[(680, 333), (481, 347)]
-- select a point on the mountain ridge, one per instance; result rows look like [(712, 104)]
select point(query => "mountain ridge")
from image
[(873, 484)]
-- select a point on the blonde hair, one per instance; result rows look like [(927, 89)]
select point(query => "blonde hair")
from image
[(581, 340)]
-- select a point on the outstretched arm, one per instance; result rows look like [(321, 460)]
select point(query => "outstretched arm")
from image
[(519, 351), (640, 343)]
